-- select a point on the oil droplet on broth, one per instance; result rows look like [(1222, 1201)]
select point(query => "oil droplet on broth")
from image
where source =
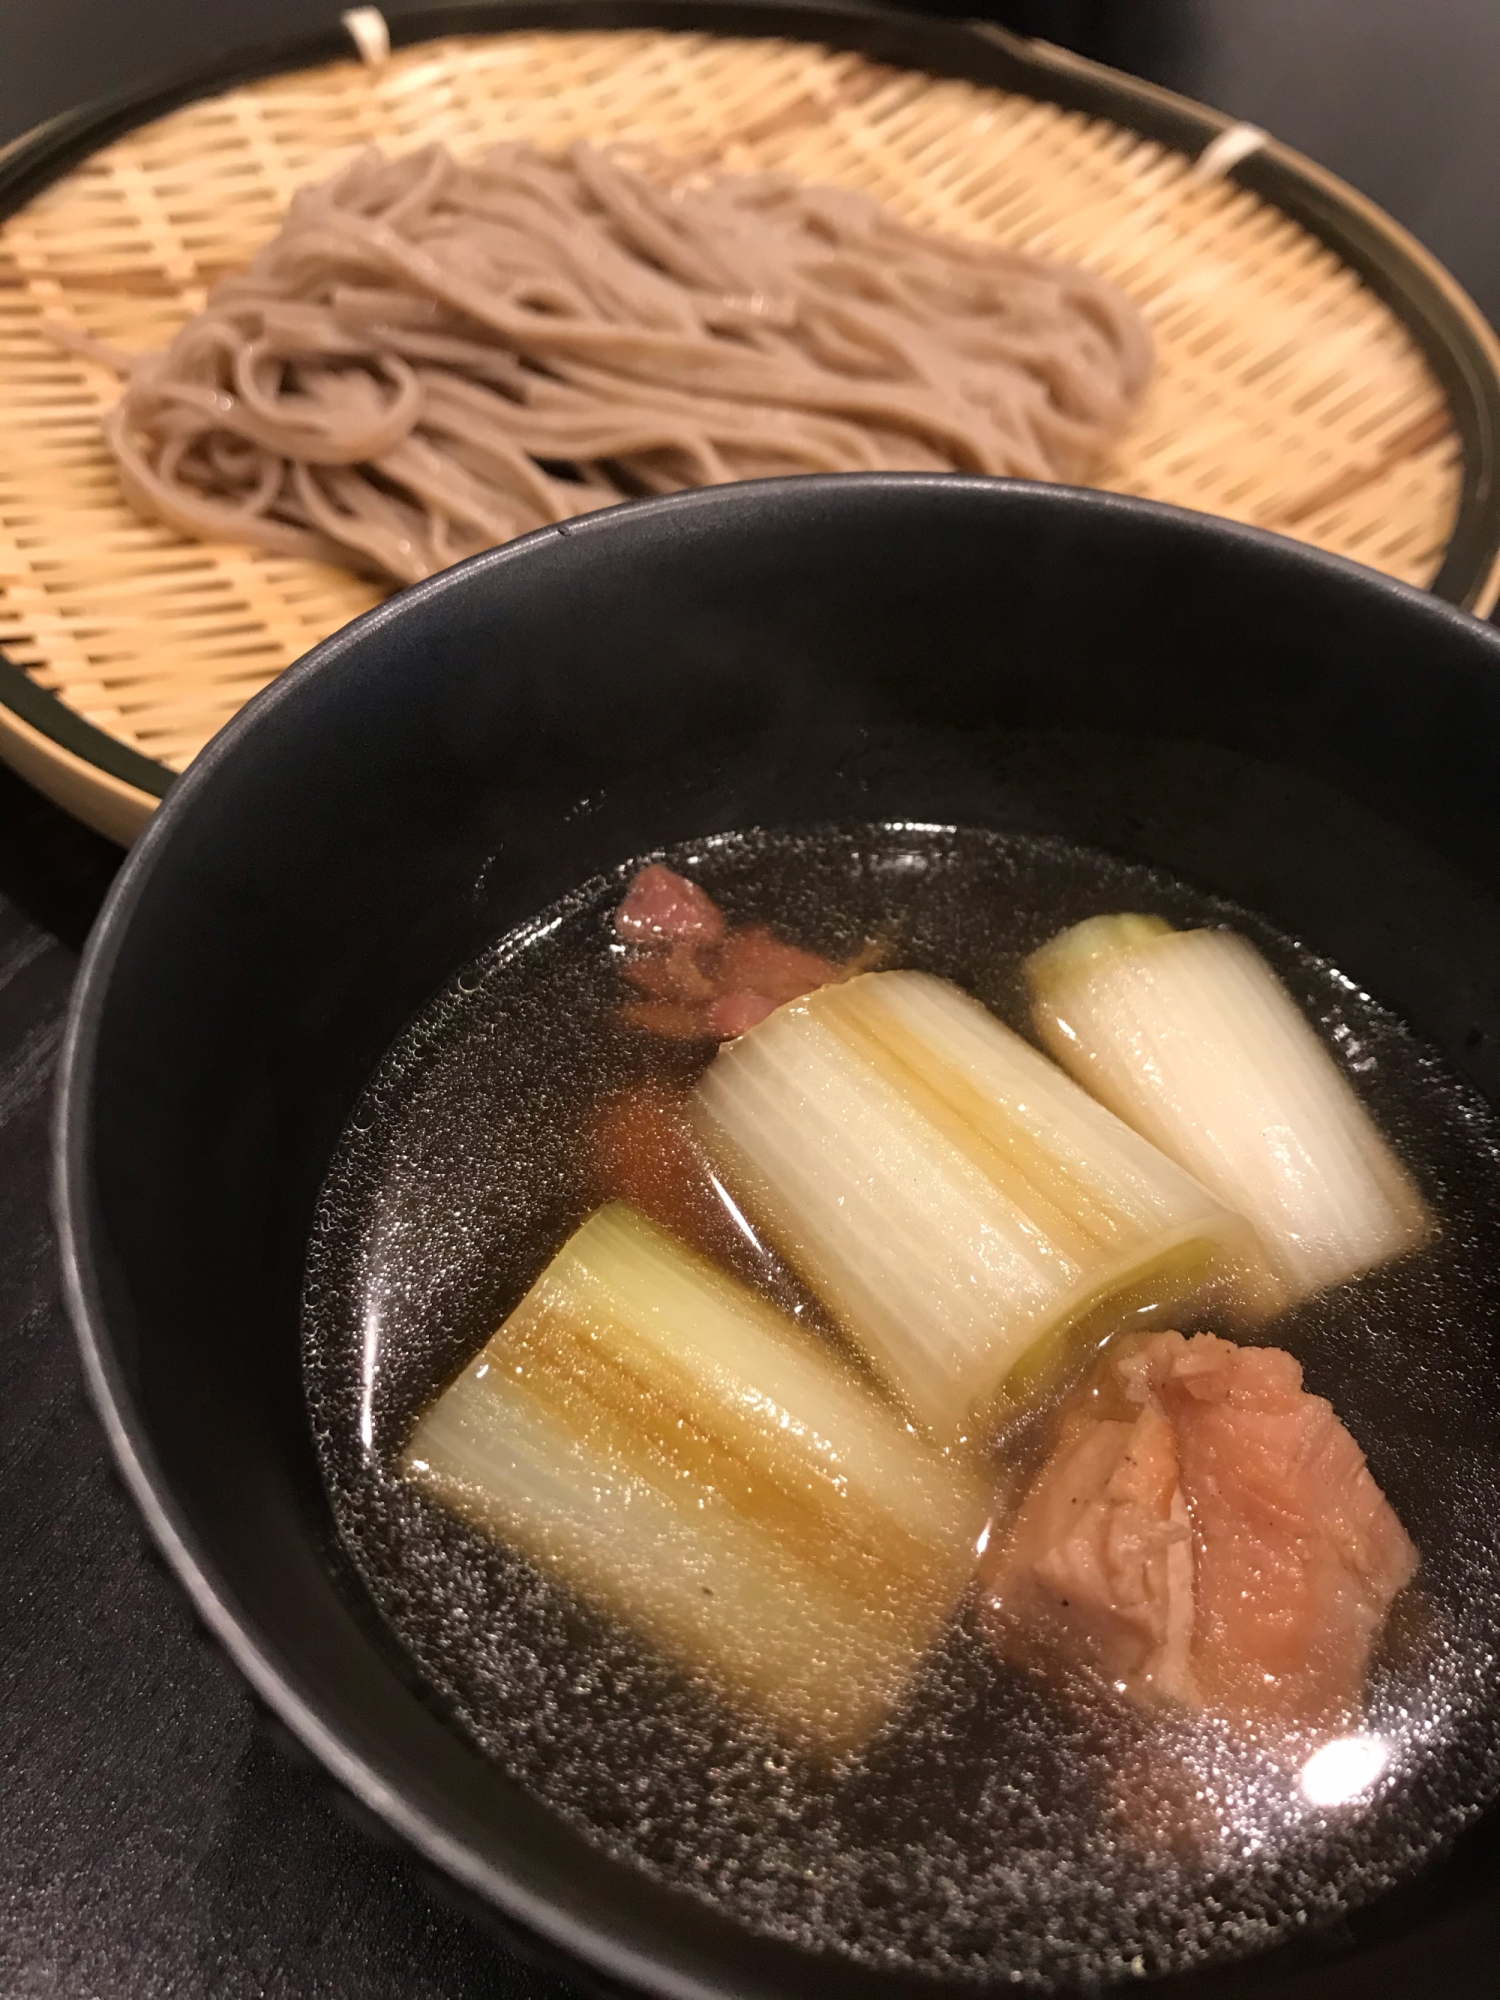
[(998, 1827)]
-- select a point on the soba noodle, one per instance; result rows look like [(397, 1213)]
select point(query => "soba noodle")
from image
[(434, 356)]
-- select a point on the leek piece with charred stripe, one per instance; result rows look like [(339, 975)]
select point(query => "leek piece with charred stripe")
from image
[(1191, 1038), (688, 1457), (955, 1200)]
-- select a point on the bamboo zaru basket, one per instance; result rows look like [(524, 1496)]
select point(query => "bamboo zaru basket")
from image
[(1318, 374)]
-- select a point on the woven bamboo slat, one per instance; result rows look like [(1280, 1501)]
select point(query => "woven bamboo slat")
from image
[(1287, 394)]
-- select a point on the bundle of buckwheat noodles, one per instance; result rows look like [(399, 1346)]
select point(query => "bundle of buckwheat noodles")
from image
[(434, 355)]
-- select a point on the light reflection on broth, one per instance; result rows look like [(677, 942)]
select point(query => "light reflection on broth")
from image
[(1000, 1824)]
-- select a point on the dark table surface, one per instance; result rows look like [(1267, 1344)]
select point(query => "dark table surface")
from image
[(153, 1841)]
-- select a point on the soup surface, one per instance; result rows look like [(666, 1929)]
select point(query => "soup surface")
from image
[(1000, 1825)]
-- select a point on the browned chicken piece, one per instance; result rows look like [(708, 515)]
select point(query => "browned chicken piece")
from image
[(701, 980), (1225, 1546)]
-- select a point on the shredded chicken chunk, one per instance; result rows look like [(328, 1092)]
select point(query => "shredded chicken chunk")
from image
[(1205, 1533)]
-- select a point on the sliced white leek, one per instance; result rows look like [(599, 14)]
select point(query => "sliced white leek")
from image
[(955, 1200), (1192, 1039), (686, 1456)]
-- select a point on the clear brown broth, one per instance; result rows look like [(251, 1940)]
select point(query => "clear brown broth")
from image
[(1000, 1827)]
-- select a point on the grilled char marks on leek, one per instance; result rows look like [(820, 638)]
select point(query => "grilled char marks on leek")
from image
[(680, 1451), (950, 1194)]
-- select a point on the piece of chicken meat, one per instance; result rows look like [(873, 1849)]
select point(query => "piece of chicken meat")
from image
[(1205, 1533), (697, 979)]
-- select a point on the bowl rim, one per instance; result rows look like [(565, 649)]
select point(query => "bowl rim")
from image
[(552, 1933)]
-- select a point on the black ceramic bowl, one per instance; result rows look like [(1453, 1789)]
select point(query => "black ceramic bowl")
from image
[(1288, 730)]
